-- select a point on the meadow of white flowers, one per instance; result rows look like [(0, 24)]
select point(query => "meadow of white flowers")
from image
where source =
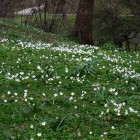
[(72, 90)]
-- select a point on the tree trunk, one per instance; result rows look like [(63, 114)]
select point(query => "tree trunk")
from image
[(84, 22), (7, 8)]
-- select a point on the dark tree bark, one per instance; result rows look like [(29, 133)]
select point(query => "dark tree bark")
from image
[(7, 8), (84, 22)]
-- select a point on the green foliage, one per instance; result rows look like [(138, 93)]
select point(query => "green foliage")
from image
[(115, 21), (63, 90)]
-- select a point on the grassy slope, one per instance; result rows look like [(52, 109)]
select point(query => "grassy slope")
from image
[(13, 30), (64, 90)]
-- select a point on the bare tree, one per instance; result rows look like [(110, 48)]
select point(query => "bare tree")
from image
[(84, 22), (7, 8)]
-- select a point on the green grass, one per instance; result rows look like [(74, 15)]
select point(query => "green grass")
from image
[(58, 25), (60, 90), (13, 30)]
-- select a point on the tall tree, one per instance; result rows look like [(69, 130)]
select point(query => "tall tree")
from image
[(7, 8), (84, 22)]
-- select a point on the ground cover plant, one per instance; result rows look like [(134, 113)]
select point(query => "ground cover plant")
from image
[(58, 26), (13, 30), (62, 90)]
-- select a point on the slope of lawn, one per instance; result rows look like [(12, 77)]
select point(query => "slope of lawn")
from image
[(66, 91), (13, 30)]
